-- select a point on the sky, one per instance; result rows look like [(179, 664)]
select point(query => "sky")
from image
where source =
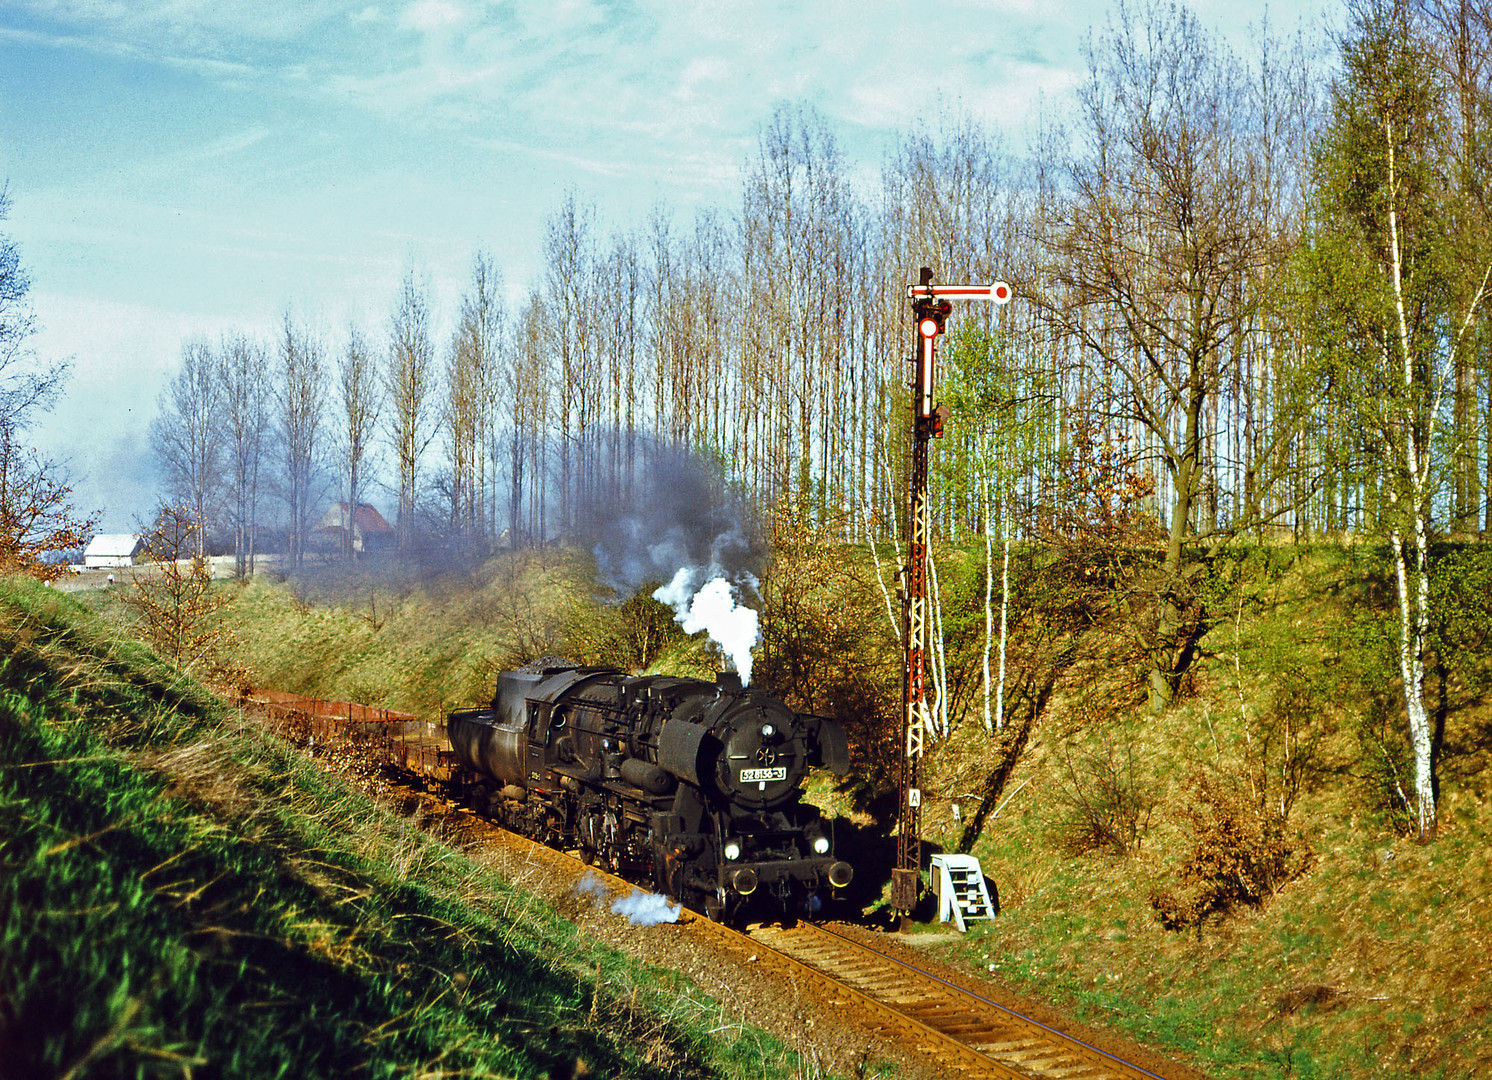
[(180, 168)]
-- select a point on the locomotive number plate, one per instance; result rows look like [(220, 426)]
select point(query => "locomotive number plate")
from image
[(751, 776)]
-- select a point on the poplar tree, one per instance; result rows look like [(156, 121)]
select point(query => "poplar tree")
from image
[(471, 383), (242, 366), (301, 400), (359, 404), (410, 384)]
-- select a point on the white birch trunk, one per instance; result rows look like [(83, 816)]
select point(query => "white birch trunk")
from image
[(1413, 590), (885, 593), (1004, 614), (939, 661), (1413, 582), (989, 587)]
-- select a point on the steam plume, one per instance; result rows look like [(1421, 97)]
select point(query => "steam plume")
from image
[(713, 609), (680, 526), (640, 908), (646, 909)]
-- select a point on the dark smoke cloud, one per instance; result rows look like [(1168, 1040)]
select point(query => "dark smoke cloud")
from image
[(679, 515)]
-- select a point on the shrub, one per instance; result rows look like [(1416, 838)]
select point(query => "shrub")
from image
[(1103, 804), (1242, 853)]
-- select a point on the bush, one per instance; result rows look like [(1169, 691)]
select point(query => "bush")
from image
[(1242, 853), (1103, 804), (630, 635)]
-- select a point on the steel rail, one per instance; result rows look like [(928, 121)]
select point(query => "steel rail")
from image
[(1126, 1067)]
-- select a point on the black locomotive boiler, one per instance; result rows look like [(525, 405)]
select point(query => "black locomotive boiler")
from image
[(690, 787)]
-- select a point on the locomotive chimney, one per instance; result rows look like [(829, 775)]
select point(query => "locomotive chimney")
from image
[(728, 680)]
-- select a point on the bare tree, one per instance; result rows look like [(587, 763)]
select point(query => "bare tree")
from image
[(25, 386), (302, 394), (1158, 245), (36, 516), (618, 294), (188, 434), (410, 381), (359, 402), (567, 260), (527, 378), (798, 238), (176, 604), (242, 368)]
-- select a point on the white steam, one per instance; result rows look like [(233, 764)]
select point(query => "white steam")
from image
[(713, 609), (640, 908), (646, 909), (592, 886)]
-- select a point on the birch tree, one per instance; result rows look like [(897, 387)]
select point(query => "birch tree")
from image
[(1398, 298), (1003, 407)]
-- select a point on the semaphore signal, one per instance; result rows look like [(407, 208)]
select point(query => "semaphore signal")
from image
[(931, 306), (998, 291)]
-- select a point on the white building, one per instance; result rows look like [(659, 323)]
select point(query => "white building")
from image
[(113, 549)]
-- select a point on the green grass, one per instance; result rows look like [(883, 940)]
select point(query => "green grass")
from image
[(181, 896), (1376, 962), (433, 645)]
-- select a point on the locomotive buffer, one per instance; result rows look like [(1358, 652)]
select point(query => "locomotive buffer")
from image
[(931, 306)]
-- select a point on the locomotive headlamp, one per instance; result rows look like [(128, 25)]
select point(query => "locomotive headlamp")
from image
[(768, 731), (732, 849), (744, 880), (821, 845)]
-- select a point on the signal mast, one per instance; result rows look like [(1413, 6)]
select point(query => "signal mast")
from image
[(931, 306)]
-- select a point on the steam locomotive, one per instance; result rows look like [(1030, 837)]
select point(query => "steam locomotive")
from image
[(686, 786)]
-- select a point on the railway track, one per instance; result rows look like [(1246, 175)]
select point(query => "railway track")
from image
[(959, 1028), (952, 1029)]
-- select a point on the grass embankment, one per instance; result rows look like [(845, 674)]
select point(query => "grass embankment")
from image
[(435, 643), (1375, 961), (180, 895)]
